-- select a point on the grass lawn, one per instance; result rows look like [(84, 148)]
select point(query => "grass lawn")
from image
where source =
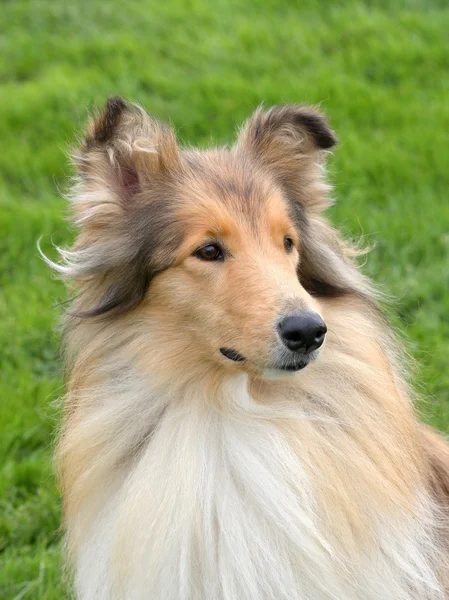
[(380, 69)]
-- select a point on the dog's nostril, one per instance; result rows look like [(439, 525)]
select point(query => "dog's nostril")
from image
[(303, 331), (319, 338)]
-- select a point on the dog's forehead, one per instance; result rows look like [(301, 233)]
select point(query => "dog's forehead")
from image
[(220, 180)]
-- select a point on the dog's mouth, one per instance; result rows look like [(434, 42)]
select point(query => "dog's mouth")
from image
[(288, 367), (296, 366), (232, 354)]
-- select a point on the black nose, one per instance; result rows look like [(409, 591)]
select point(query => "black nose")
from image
[(303, 331)]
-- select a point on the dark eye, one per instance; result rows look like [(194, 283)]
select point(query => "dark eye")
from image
[(288, 244), (210, 252)]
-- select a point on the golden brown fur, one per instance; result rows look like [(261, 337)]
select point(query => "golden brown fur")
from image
[(142, 351)]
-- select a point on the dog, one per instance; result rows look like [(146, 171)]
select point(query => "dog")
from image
[(238, 423)]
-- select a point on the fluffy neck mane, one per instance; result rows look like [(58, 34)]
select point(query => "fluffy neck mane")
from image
[(222, 487)]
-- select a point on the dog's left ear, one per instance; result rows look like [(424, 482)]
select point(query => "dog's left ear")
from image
[(290, 141)]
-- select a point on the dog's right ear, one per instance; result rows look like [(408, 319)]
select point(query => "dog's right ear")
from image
[(123, 149), (119, 203)]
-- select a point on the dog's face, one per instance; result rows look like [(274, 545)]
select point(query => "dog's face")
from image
[(224, 249), (233, 287)]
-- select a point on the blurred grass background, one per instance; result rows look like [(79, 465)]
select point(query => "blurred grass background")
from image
[(380, 69)]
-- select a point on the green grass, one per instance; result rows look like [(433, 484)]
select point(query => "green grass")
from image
[(379, 69)]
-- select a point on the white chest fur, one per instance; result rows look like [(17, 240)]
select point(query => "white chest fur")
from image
[(221, 507)]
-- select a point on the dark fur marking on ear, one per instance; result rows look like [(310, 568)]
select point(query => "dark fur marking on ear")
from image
[(317, 126), (302, 117), (105, 123)]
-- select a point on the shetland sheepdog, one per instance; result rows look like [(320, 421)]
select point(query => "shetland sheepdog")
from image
[(238, 424)]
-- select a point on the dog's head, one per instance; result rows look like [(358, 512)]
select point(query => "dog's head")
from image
[(224, 249)]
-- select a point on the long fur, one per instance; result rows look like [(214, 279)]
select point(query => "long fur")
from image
[(188, 477)]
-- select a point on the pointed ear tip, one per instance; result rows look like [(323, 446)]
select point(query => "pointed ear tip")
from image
[(303, 116), (116, 101), (105, 122), (328, 140), (318, 126), (115, 104)]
